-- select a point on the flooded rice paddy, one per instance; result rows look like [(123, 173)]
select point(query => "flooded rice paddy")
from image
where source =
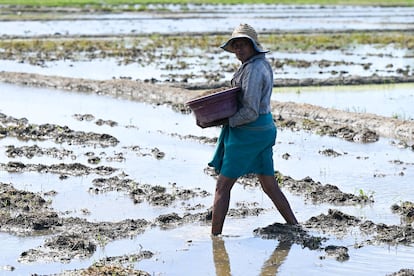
[(206, 65), (385, 100), (369, 168), (221, 18), (149, 46), (94, 181)]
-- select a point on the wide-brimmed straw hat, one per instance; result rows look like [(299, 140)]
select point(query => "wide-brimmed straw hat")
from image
[(246, 31)]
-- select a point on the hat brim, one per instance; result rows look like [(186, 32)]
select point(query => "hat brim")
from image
[(228, 45)]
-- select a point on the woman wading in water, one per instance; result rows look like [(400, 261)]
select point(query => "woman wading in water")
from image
[(247, 137)]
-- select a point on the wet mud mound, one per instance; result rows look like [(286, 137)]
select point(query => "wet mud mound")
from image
[(340, 224), (285, 233), (350, 126), (403, 272), (405, 210), (318, 193), (63, 169), (23, 130), (140, 192), (25, 213), (79, 239), (76, 238), (296, 234), (99, 269)]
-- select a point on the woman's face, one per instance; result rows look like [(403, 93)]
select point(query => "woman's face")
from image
[(243, 48)]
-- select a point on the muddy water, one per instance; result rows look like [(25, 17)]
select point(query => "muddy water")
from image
[(201, 64), (220, 18), (386, 100), (184, 250), (159, 148), (342, 63)]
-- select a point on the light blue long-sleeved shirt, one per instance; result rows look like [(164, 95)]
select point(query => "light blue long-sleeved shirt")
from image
[(255, 77)]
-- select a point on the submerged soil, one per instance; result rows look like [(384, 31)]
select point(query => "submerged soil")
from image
[(357, 127), (25, 213)]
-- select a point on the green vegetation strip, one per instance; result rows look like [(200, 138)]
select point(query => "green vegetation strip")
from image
[(275, 42), (307, 42), (78, 3)]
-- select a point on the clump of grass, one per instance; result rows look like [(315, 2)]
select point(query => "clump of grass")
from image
[(366, 195)]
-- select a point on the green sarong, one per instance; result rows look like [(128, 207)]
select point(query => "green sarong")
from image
[(246, 149)]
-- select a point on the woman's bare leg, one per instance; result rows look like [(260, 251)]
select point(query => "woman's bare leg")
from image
[(221, 203), (270, 187)]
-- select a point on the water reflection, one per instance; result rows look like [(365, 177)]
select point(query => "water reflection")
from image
[(221, 257), (270, 266)]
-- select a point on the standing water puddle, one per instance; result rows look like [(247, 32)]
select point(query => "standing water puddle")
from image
[(386, 100), (199, 61), (189, 249)]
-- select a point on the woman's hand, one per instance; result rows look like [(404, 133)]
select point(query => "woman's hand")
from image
[(214, 123)]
